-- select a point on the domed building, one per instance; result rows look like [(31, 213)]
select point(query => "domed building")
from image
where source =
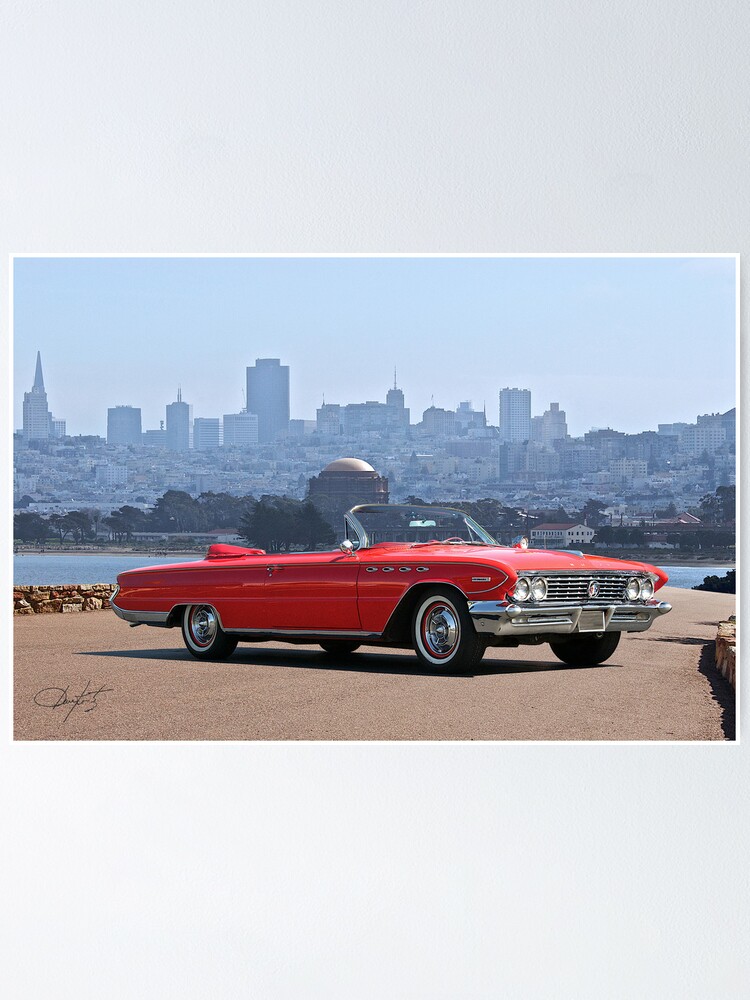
[(344, 484)]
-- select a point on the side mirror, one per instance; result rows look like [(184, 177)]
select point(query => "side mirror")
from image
[(346, 547)]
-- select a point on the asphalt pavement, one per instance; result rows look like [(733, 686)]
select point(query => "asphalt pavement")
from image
[(89, 676)]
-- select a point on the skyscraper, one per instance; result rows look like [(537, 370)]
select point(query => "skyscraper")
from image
[(206, 433), (179, 420), (268, 396), (240, 429), (124, 425), (515, 414), (550, 427), (36, 416), (395, 399)]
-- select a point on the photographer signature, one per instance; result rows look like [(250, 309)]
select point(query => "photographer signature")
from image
[(56, 697)]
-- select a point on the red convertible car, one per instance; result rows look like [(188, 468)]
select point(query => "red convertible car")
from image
[(422, 577)]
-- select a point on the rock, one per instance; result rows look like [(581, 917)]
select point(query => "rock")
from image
[(47, 607)]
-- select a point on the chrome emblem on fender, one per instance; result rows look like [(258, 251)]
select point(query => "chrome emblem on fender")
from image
[(593, 589)]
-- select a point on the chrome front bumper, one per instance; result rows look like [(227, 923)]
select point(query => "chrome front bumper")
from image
[(500, 618)]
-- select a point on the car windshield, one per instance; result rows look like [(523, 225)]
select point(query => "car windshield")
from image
[(373, 524)]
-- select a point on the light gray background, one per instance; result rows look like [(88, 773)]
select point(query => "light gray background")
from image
[(372, 871)]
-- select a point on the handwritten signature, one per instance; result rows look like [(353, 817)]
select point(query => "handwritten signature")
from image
[(56, 697)]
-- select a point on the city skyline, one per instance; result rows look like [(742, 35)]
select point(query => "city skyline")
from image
[(618, 340)]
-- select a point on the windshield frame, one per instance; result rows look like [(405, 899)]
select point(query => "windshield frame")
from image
[(357, 534)]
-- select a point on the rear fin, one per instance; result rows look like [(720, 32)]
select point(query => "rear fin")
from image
[(231, 552)]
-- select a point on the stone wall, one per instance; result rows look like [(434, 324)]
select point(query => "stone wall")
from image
[(726, 649), (54, 600)]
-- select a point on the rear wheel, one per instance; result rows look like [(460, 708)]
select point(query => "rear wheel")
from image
[(339, 647), (443, 633), (203, 635), (586, 650)]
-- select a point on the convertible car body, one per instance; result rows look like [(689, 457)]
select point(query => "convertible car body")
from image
[(422, 577)]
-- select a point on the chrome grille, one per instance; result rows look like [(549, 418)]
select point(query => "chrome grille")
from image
[(573, 588)]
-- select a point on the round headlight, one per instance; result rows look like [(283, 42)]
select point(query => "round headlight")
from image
[(521, 593), (538, 588), (633, 589), (647, 589)]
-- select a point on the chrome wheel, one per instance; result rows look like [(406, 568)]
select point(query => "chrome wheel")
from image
[(203, 634), (203, 625), (443, 633), (441, 629)]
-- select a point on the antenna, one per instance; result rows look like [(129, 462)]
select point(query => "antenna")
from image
[(179, 393), (394, 378)]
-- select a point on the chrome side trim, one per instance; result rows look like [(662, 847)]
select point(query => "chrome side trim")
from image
[(304, 633), (141, 617)]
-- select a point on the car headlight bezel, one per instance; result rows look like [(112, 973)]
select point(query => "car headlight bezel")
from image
[(522, 589), (647, 589), (538, 588), (633, 588)]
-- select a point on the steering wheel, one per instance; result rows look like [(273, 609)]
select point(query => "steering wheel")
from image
[(454, 538)]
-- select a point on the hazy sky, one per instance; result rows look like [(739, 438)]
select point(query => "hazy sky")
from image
[(621, 342)]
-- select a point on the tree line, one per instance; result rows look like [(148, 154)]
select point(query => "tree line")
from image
[(278, 523), (271, 522)]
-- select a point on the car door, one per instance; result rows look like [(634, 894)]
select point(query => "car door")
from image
[(312, 591)]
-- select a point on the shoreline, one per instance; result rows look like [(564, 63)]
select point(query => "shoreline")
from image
[(108, 552), (672, 560)]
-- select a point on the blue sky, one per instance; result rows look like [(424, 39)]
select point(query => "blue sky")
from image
[(620, 342)]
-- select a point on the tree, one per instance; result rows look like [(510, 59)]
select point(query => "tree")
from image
[(177, 511), (29, 527), (124, 521), (592, 512), (78, 522), (222, 510), (719, 507), (278, 524), (59, 525)]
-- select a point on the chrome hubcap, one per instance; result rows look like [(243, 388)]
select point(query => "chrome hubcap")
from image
[(441, 630), (203, 625)]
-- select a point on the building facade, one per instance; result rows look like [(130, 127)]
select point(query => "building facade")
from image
[(124, 425), (36, 415), (206, 433), (554, 536), (268, 397), (515, 415), (240, 429), (344, 484), (179, 425)]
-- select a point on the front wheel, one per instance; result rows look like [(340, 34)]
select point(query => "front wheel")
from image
[(443, 633), (586, 650), (203, 635)]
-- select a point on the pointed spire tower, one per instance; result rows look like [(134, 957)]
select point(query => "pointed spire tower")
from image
[(38, 377), (37, 420)]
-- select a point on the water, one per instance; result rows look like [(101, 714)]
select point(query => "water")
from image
[(60, 569), (689, 576), (32, 568)]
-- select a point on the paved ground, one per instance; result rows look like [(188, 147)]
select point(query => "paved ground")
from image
[(659, 685)]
